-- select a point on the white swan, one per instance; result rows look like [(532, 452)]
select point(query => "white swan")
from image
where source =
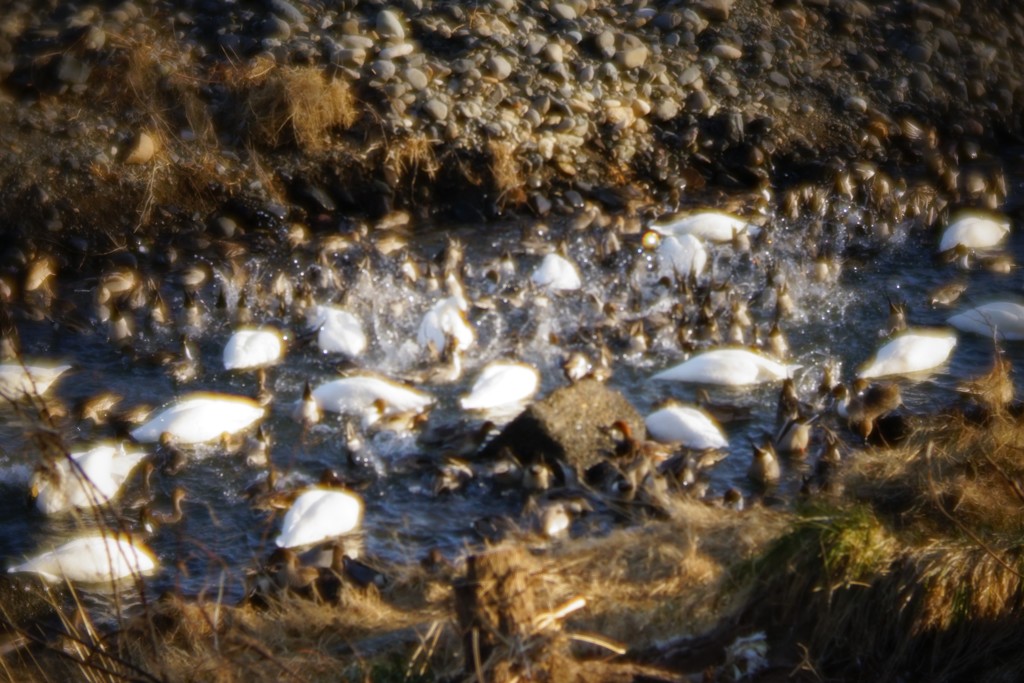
[(557, 273), (357, 395), (974, 231), (915, 350), (253, 348), (200, 417), (714, 226), (1005, 318), (18, 381), (446, 320), (691, 427), (502, 384), (320, 514), (340, 332), (93, 478), (682, 256), (96, 558), (730, 367)]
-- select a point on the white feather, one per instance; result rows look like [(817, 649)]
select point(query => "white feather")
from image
[(200, 417), (910, 352), (320, 514), (731, 367)]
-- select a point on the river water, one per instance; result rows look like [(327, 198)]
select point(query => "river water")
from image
[(222, 535)]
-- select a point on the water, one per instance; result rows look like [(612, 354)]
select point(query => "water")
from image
[(223, 536)]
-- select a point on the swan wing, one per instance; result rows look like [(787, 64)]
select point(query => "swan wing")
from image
[(909, 353), (252, 349), (340, 332), (501, 384), (91, 559), (688, 426), (319, 514), (201, 417), (1005, 317)]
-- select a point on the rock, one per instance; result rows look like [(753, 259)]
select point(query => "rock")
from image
[(416, 79), (389, 25), (605, 44), (383, 69), (569, 426), (288, 11), (552, 52), (726, 51), (666, 109), (698, 102), (437, 109), (716, 10), (141, 149), (690, 75), (275, 28), (856, 104), (73, 70), (395, 51), (499, 67), (563, 11), (632, 57)]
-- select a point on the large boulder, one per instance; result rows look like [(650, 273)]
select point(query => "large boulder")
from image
[(569, 426)]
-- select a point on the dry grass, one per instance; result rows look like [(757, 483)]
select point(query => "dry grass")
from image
[(299, 105), (506, 172), (411, 155), (922, 572)]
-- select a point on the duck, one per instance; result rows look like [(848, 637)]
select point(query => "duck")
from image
[(339, 331), (151, 519), (974, 231), (200, 417), (714, 226), (915, 350), (357, 394), (502, 384), (867, 403), (689, 426), (947, 294), (764, 469), (83, 479), (557, 273), (319, 514), (729, 367), (1005, 319), (91, 559), (307, 410), (18, 380), (794, 436)]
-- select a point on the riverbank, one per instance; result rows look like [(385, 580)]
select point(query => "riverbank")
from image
[(147, 138)]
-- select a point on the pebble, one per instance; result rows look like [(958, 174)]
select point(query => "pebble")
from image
[(563, 11), (383, 69), (552, 52), (389, 25), (856, 104), (395, 51), (499, 67), (415, 78), (140, 150), (436, 108), (666, 109), (632, 57), (727, 51)]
